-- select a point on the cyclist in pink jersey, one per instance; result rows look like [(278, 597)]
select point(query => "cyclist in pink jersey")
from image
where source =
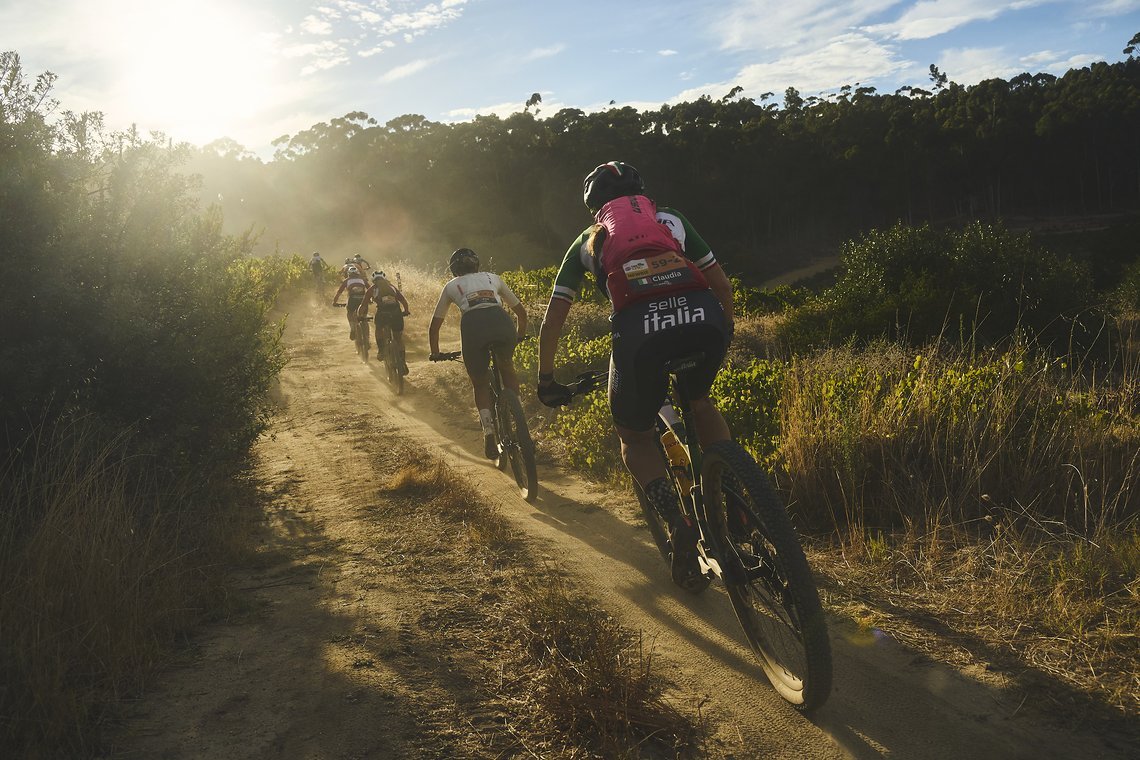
[(670, 299)]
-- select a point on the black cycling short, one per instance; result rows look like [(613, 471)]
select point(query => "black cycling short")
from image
[(484, 330), (648, 333), (389, 316)]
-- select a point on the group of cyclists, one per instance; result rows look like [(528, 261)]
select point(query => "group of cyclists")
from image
[(670, 298), (364, 290)]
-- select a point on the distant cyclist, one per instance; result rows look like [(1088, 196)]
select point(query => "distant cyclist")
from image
[(359, 262), (356, 287), (670, 298), (391, 308), (317, 267), (484, 326)]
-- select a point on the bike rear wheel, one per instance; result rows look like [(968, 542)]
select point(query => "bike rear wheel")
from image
[(362, 339), (515, 445), (767, 576), (396, 367)]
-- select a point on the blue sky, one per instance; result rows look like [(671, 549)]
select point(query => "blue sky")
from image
[(254, 70)]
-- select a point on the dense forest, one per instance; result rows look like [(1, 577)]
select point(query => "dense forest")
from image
[(771, 182)]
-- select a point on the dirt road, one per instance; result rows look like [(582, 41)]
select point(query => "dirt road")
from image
[(332, 653)]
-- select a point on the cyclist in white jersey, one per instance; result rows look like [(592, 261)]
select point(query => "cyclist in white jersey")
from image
[(356, 287), (484, 327)]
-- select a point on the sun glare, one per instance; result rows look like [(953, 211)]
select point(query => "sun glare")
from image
[(195, 70)]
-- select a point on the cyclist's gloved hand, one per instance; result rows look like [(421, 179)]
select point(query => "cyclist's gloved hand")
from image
[(553, 393)]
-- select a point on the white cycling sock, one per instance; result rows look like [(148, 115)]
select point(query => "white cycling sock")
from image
[(487, 422)]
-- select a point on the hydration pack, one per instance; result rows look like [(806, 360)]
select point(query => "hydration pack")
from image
[(635, 256)]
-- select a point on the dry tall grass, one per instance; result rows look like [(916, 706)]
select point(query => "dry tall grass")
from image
[(995, 493), (100, 572)]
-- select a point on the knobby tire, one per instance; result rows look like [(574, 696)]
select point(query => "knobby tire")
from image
[(392, 365), (515, 444), (657, 528), (362, 339), (767, 576)]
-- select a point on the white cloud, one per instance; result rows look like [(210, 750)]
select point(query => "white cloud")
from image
[(1114, 7), (931, 18), (368, 27), (847, 59), (408, 69), (377, 49), (545, 52), (666, 52), (1056, 63), (314, 25), (769, 24), (968, 66)]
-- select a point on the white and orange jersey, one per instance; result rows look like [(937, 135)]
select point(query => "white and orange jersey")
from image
[(477, 290)]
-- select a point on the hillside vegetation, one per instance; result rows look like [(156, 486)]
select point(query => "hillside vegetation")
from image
[(774, 182)]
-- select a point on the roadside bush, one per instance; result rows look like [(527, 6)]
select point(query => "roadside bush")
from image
[(749, 398), (534, 286), (749, 301), (135, 365), (887, 437), (982, 283)]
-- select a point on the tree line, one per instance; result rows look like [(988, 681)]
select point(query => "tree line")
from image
[(770, 183)]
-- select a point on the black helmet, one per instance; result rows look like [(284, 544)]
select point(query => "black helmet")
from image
[(609, 181), (463, 261)]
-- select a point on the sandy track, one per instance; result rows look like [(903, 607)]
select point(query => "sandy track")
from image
[(299, 674)]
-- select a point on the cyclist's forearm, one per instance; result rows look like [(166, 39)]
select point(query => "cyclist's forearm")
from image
[(721, 288), (520, 314), (433, 334), (550, 332)]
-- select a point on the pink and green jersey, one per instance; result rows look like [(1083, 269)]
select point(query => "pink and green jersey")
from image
[(647, 252)]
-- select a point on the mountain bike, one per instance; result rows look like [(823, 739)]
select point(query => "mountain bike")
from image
[(392, 355), (319, 284), (360, 336), (512, 434), (363, 340), (747, 541)]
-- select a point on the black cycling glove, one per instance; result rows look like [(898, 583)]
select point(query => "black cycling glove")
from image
[(554, 393)]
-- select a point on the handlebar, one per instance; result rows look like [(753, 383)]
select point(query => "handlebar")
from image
[(449, 355), (588, 381)]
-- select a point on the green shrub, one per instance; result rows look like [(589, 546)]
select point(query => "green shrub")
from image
[(890, 437), (749, 399), (982, 283)]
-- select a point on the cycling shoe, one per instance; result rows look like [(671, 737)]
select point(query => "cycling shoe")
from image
[(684, 565)]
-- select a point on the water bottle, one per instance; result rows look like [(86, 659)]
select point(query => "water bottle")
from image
[(678, 460)]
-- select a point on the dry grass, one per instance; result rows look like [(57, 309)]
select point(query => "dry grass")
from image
[(993, 493), (576, 684), (101, 573), (1058, 613)]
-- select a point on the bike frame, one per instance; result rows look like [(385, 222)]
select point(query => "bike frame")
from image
[(695, 500)]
